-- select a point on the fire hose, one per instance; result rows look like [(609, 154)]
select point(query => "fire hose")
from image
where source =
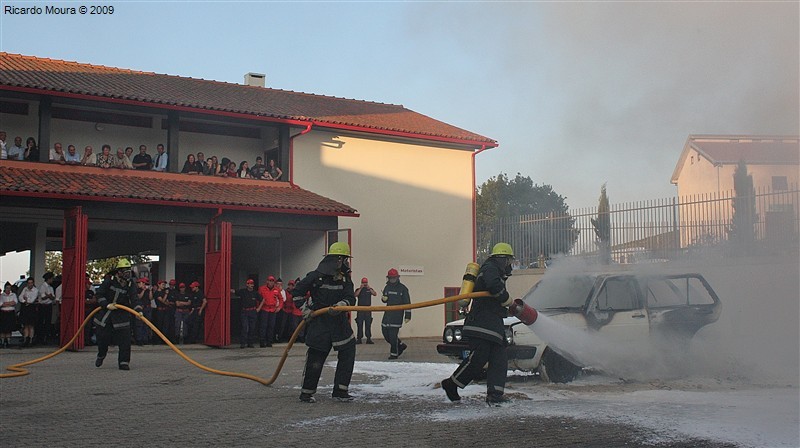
[(19, 369)]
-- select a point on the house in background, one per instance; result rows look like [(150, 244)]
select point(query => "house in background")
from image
[(705, 170), (397, 185)]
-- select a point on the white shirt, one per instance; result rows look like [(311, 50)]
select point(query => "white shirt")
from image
[(160, 162), (44, 290), (16, 153), (10, 297), (28, 295)]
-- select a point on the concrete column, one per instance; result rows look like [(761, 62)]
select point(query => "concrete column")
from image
[(166, 259), (37, 253)]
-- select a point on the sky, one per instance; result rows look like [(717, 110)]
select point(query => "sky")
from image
[(577, 94)]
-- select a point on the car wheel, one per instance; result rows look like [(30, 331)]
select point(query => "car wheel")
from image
[(555, 368)]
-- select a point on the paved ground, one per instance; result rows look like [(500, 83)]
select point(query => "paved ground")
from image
[(163, 400)]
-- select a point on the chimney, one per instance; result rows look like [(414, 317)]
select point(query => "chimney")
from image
[(255, 79)]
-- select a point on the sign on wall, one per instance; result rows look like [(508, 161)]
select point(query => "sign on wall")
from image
[(411, 270)]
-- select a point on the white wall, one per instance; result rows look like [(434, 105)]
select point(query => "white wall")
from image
[(415, 206)]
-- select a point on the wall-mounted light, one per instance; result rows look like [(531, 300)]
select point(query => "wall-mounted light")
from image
[(99, 127)]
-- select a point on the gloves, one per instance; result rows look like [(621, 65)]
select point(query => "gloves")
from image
[(333, 311), (306, 311), (111, 306)]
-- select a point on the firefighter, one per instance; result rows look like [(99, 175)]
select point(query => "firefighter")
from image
[(485, 330), (395, 293), (112, 324), (330, 285)]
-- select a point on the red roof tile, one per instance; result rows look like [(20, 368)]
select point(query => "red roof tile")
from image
[(18, 71), (91, 183), (753, 150)]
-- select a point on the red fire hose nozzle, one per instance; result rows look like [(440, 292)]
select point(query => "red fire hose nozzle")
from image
[(523, 312)]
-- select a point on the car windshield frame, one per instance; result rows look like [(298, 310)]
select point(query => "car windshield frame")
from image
[(548, 293)]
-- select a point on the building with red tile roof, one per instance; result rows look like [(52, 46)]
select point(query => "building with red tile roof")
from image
[(396, 184)]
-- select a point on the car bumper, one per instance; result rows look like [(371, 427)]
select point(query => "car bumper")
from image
[(461, 351)]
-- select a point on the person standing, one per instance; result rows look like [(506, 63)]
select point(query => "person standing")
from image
[(249, 299), (160, 163), (485, 330), (8, 318), (47, 296), (183, 310), (395, 293), (161, 312), (89, 306), (142, 161), (144, 296), (268, 311), (329, 285), (28, 315), (197, 315), (364, 294), (112, 324)]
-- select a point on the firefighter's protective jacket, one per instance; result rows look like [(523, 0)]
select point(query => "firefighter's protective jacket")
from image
[(328, 286), (397, 294), (485, 319), (119, 292)]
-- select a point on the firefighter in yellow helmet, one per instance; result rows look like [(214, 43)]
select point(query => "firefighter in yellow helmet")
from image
[(113, 324), (329, 285), (484, 329)]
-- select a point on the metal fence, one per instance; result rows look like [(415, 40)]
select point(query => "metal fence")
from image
[(766, 222)]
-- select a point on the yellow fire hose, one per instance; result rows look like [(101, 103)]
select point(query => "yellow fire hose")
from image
[(19, 369)]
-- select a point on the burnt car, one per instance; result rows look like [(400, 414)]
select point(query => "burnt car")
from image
[(623, 307)]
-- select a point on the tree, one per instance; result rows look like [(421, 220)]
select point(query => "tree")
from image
[(602, 227), (53, 262), (742, 231), (533, 218)]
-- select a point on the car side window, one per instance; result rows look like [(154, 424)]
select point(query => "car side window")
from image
[(617, 295), (670, 292)]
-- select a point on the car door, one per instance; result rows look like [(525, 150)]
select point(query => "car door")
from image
[(617, 311)]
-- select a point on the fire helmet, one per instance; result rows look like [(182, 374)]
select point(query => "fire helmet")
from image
[(339, 248), (502, 250)]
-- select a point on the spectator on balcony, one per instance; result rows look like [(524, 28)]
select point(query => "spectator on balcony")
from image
[(31, 150), (57, 154), (129, 154), (223, 167), (105, 159), (16, 152), (142, 161), (123, 161), (190, 165), (88, 156), (259, 170), (232, 169), (3, 149), (212, 166), (202, 168), (244, 170), (72, 157), (160, 163), (274, 172)]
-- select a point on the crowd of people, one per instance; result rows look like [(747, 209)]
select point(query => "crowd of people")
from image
[(271, 314), (196, 164)]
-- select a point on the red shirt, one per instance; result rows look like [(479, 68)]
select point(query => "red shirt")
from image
[(269, 298)]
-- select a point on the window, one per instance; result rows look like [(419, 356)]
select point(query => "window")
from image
[(780, 183), (617, 295), (668, 292)]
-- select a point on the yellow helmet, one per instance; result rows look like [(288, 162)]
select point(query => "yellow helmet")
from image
[(124, 264), (502, 250), (339, 248)]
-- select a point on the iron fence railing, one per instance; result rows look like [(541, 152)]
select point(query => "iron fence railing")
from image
[(656, 229)]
